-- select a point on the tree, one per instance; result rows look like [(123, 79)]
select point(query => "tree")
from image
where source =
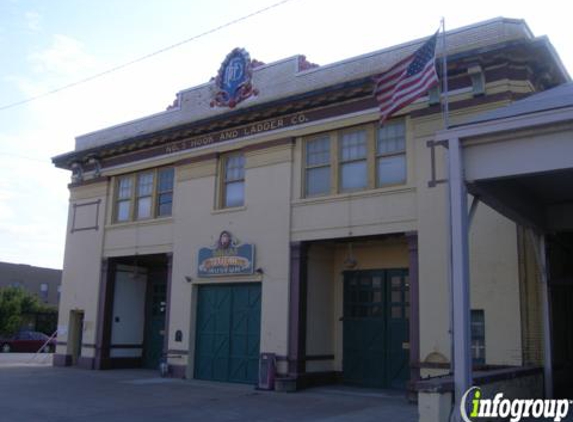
[(15, 303)]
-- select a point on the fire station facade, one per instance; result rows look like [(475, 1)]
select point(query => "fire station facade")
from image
[(284, 220)]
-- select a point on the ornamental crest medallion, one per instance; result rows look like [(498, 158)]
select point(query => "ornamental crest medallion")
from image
[(233, 81)]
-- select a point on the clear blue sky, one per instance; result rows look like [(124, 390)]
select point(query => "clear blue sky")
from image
[(49, 44)]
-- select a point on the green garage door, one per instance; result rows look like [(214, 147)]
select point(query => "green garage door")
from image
[(228, 332), (376, 316)]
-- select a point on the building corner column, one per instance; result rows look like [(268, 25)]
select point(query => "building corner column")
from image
[(167, 306), (297, 310), (413, 275), (105, 302)]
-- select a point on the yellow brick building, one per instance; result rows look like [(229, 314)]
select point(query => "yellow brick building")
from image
[(291, 224)]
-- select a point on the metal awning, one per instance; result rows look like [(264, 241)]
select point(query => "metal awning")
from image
[(519, 161)]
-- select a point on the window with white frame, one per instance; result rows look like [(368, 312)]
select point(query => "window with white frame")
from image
[(391, 154), (233, 181), (165, 192), (353, 160), (123, 199), (317, 166), (144, 195), (359, 158), (44, 291)]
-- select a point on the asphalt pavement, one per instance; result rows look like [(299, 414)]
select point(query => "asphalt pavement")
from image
[(31, 390)]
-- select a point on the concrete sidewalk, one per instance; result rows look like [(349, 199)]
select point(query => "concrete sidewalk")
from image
[(24, 359), (31, 393)]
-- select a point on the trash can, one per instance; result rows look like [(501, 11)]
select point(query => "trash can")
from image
[(267, 371)]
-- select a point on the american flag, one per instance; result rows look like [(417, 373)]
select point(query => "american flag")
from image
[(407, 80)]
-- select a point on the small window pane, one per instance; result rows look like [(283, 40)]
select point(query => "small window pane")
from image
[(44, 291), (391, 138), (235, 168), (391, 170), (145, 184), (377, 296), (318, 152), (318, 181), (396, 312), (123, 210), (234, 181), (144, 207), (376, 282), (234, 193), (124, 188), (354, 175), (165, 180), (353, 146), (165, 201)]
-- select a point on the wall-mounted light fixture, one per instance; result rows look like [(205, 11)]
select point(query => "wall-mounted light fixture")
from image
[(260, 271), (350, 262), (188, 279)]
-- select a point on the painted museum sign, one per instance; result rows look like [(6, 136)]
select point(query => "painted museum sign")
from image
[(227, 257), (234, 80)]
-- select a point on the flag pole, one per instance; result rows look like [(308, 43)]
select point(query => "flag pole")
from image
[(446, 103)]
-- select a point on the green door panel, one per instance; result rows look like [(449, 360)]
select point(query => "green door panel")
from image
[(228, 332), (375, 328), (398, 329), (155, 322), (213, 319)]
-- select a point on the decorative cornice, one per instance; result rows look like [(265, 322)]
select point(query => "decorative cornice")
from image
[(235, 118), (334, 97)]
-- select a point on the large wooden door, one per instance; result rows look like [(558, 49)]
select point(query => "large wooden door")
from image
[(376, 334), (228, 332)]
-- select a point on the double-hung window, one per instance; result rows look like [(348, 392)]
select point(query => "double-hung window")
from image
[(391, 154), (165, 192), (123, 198), (233, 186), (44, 291), (144, 195), (353, 160), (317, 173)]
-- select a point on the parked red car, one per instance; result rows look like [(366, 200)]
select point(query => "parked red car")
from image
[(27, 342)]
